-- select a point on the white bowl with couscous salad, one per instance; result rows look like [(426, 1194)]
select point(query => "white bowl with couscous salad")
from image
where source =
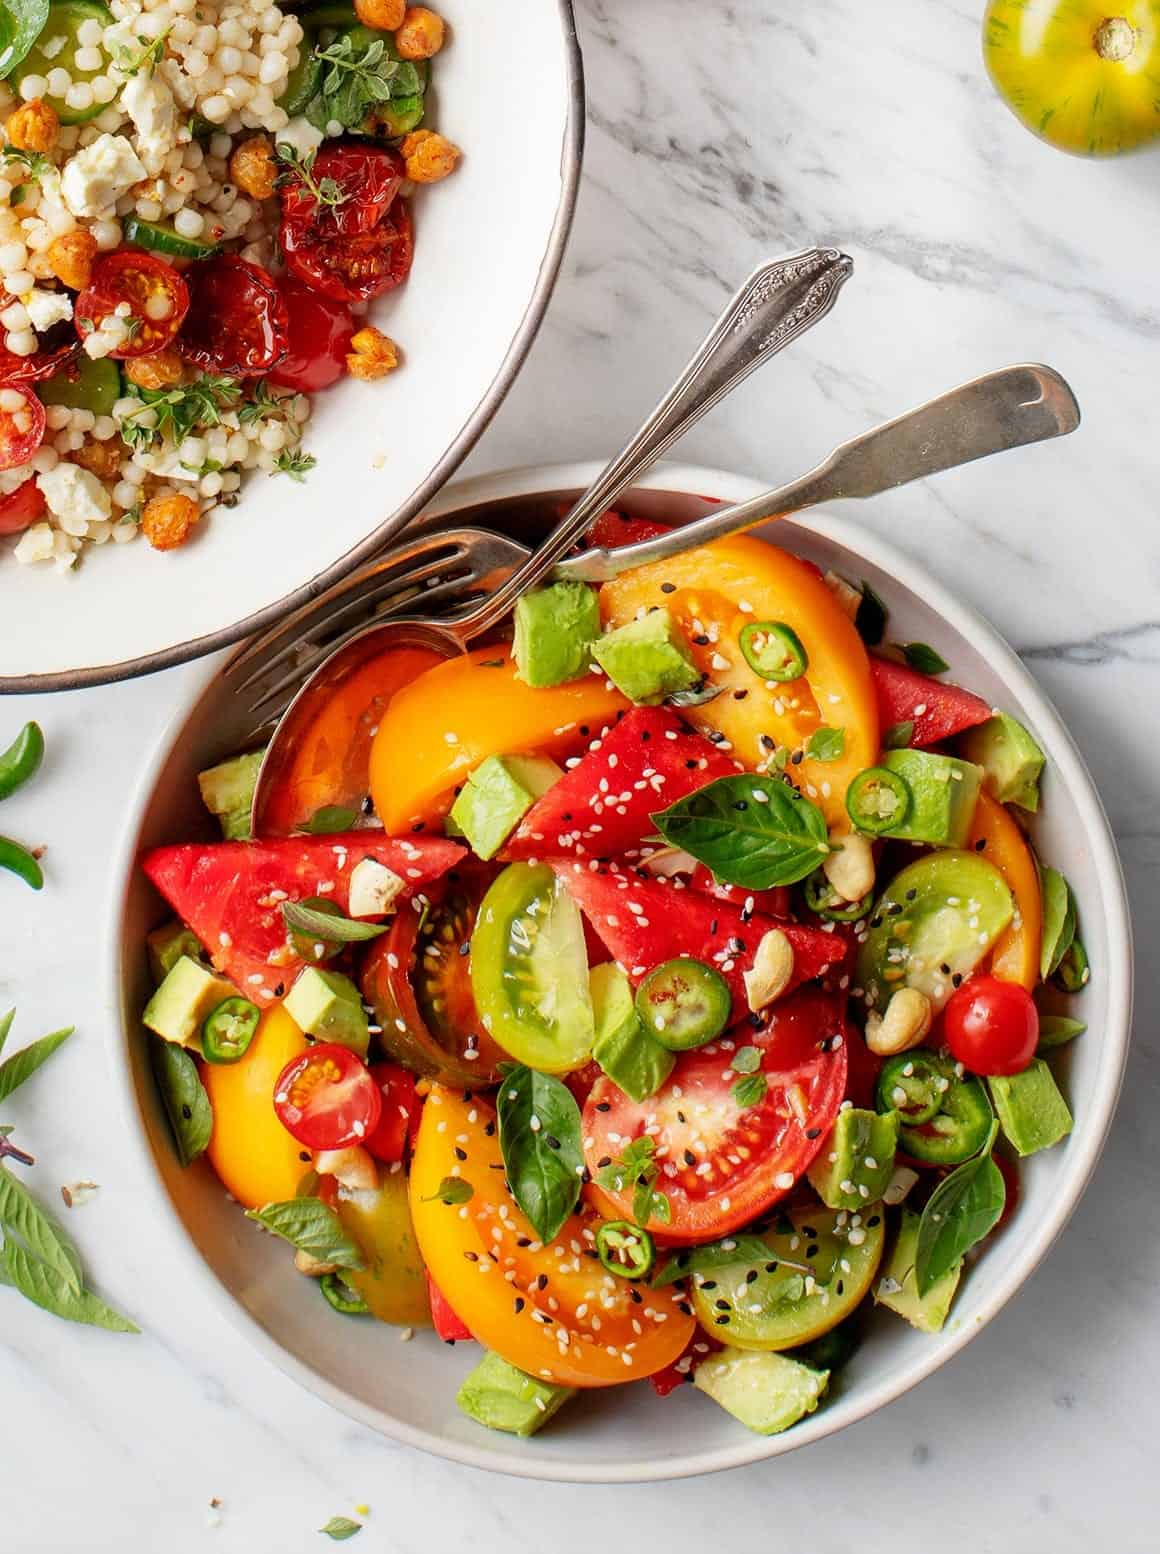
[(267, 268)]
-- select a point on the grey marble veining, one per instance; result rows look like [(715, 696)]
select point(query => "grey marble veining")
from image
[(719, 132)]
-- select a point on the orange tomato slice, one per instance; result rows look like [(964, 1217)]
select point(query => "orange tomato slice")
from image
[(1015, 957), (552, 1310), (250, 1150)]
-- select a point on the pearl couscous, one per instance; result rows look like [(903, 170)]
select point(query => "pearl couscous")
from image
[(198, 200)]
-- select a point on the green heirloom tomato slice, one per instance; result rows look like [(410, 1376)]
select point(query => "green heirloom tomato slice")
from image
[(684, 1003), (65, 18), (529, 970), (21, 23)]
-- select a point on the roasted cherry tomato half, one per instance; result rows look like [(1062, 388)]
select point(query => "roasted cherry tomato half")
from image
[(21, 507), (400, 1116), (326, 1099), (364, 180), (57, 348), (355, 268), (237, 323), (318, 331), (157, 295), (991, 1027), (22, 423), (359, 243)]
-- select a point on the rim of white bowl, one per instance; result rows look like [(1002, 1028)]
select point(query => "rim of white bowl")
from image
[(1088, 1142)]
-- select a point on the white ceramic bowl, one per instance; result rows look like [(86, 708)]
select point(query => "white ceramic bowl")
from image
[(408, 1391), (489, 243)]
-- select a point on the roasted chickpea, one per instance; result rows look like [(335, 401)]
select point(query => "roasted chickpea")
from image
[(162, 369), (71, 258), (33, 127), (167, 520), (421, 34), (102, 458), (372, 354), (429, 157), (382, 15), (254, 168)]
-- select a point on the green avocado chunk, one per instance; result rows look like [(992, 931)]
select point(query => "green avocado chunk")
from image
[(328, 1006), (647, 659), (168, 944), (84, 384), (497, 796), (943, 793), (227, 791), (632, 1058), (501, 1397), (1032, 1113), (178, 1009), (766, 1391), (1011, 760), (856, 1162), (898, 1290), (555, 630)]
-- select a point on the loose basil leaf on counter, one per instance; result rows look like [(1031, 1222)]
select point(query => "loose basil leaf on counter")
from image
[(826, 744), (340, 1528), (870, 620), (750, 831), (330, 818), (22, 1217), (923, 658), (721, 1254), (898, 735), (329, 929), (312, 1227), (22, 1065), (539, 1138), (184, 1097), (452, 1190), (43, 1285), (1059, 920), (1056, 1030), (21, 23), (963, 1208)]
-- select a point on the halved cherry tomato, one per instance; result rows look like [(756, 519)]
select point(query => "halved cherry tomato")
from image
[(21, 507), (399, 1121), (359, 246), (715, 591), (237, 321), (995, 835), (365, 181), (318, 331), (732, 1161), (991, 1027), (157, 295), (256, 1159), (22, 428), (57, 348), (442, 725), (449, 1327), (326, 1098), (559, 1317)]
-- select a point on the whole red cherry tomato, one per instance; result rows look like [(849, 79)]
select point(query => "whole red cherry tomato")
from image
[(326, 1098), (400, 1115), (237, 321), (21, 507), (991, 1027), (22, 423), (158, 300), (318, 338), (356, 241)]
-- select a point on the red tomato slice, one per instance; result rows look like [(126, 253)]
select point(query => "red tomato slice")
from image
[(231, 893), (318, 331), (450, 1328), (611, 530), (400, 1116), (603, 808), (157, 295), (773, 902), (936, 709), (237, 322), (21, 428), (21, 507), (721, 1164), (360, 246), (645, 922), (44, 362), (698, 1348), (326, 1099)]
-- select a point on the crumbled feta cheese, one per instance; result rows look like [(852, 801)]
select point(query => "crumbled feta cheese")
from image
[(46, 308), (166, 462), (149, 103), (301, 136), (373, 888), (74, 496), (35, 544), (99, 174)]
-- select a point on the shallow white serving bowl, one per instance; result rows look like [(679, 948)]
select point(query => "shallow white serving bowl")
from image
[(408, 1390), (489, 243)]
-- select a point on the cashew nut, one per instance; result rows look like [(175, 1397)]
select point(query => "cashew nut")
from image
[(351, 1167), (904, 1024), (850, 867), (771, 971), (311, 1266)]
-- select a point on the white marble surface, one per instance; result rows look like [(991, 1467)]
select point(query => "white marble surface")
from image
[(719, 132)]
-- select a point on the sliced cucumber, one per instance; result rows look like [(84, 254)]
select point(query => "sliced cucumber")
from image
[(400, 116), (64, 21), (161, 237), (21, 23), (84, 385)]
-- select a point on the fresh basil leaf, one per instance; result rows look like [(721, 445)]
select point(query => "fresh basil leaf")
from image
[(452, 1190), (22, 1065), (649, 1203), (44, 1287), (750, 831), (22, 1217), (312, 1227), (750, 1091), (746, 1060), (963, 1208), (25, 21), (1059, 920), (330, 818), (870, 620), (826, 744), (898, 735), (184, 1097), (539, 1137), (1056, 1030), (340, 1528), (726, 1253), (5, 1026), (923, 658), (329, 929), (635, 1159), (1074, 971)]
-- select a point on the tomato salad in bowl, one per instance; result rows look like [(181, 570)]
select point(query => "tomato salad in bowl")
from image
[(201, 199), (643, 995)]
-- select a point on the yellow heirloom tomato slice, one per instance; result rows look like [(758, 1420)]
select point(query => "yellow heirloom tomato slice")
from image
[(1015, 957), (250, 1150), (552, 1310), (715, 591), (393, 1283)]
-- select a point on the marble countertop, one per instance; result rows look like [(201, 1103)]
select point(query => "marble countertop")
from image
[(718, 134)]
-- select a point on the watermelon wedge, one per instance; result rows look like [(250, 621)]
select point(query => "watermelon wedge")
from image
[(936, 709)]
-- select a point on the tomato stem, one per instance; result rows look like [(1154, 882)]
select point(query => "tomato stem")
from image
[(10, 1151), (1115, 39)]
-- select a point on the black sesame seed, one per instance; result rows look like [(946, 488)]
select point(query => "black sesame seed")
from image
[(771, 1267), (460, 1154), (701, 641), (709, 1284), (980, 844), (691, 766), (683, 1306), (472, 1257), (604, 1106), (756, 1021), (304, 1154), (520, 1304), (489, 1129), (668, 588), (418, 826), (542, 1281), (874, 1220), (796, 757), (812, 1251), (813, 1133), (751, 1276), (740, 695), (957, 979), (634, 1295), (187, 1113), (690, 1158), (721, 1321), (721, 1305), (605, 1160), (551, 1140)]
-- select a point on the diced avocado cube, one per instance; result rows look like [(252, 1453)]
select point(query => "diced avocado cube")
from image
[(168, 944), (765, 1390), (327, 1005), (555, 629), (855, 1164), (227, 791), (943, 794), (628, 1054), (1011, 760), (501, 1397), (178, 1009), (647, 659), (497, 796), (898, 1289), (1032, 1113)]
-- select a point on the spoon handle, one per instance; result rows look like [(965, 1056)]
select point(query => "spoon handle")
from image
[(778, 303), (1005, 409)]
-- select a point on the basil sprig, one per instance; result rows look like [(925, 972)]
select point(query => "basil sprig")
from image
[(826, 743), (331, 819), (452, 1190), (312, 1227), (1059, 920), (1056, 1030), (898, 735), (22, 1065), (539, 1138), (751, 831), (340, 1528), (637, 1167), (963, 1208), (184, 1097), (727, 1253), (923, 658), (328, 928)]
